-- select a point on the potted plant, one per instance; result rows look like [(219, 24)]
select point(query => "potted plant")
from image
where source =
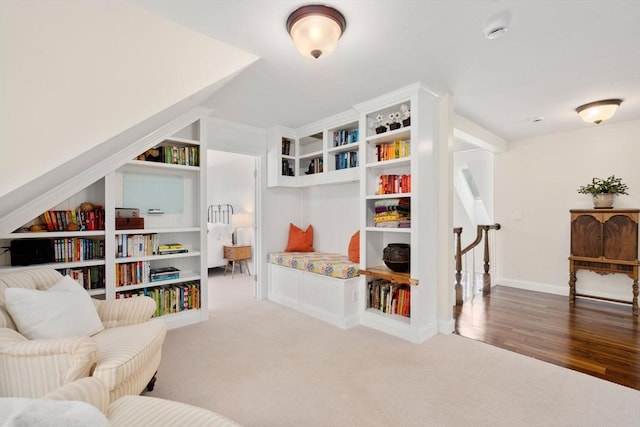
[(394, 121), (406, 115), (604, 191), (380, 127)]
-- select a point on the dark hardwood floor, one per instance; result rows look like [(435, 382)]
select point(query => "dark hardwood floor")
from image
[(595, 337)]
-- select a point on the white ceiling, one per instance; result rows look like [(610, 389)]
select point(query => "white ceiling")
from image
[(556, 56)]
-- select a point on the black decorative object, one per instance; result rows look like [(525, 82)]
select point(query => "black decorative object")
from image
[(397, 256), (381, 129)]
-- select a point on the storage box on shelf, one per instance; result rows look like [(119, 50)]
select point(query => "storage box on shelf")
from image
[(86, 241), (399, 303)]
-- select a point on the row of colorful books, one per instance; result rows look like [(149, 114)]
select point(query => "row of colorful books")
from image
[(170, 299), (390, 297), (394, 150), (132, 273), (189, 156), (343, 137), (394, 184), (346, 160), (132, 245), (315, 166), (71, 249), (73, 220), (286, 146), (89, 277)]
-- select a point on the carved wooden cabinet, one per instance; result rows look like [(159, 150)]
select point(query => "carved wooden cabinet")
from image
[(604, 241)]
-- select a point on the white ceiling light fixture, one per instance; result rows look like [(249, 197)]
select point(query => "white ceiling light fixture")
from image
[(598, 111), (316, 29)]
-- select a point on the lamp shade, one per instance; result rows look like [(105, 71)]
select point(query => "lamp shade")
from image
[(241, 220), (599, 111), (316, 29)]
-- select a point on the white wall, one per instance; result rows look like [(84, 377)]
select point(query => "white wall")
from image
[(536, 184), (333, 210), (76, 74)]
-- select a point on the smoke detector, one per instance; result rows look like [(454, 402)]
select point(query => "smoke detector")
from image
[(497, 26)]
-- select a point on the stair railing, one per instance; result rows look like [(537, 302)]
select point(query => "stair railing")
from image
[(482, 233)]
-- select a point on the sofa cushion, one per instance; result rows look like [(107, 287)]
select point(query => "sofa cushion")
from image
[(126, 350), (64, 310)]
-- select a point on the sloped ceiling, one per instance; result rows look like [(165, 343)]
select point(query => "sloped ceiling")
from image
[(76, 74)]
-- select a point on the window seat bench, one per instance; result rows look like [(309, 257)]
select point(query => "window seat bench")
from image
[(321, 285)]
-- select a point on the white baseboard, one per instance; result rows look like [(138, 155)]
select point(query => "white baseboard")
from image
[(534, 286), (554, 289), (446, 326)]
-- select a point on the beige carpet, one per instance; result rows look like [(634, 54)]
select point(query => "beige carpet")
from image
[(265, 365)]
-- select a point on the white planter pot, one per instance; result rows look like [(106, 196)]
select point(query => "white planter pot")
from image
[(603, 200)]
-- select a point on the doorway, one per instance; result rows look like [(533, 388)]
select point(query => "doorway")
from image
[(231, 190)]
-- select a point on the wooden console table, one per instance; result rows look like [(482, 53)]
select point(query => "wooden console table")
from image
[(239, 253), (604, 241)]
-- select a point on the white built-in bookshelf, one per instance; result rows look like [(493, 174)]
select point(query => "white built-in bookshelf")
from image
[(399, 163), (174, 183), (325, 152)]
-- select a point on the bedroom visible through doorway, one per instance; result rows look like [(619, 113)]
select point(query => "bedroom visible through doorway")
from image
[(231, 201)]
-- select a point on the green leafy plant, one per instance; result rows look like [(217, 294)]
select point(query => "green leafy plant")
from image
[(611, 185)]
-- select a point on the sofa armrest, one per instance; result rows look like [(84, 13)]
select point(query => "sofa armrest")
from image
[(31, 368), (91, 390), (125, 311)]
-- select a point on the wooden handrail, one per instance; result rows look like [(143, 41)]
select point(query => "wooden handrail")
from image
[(481, 231)]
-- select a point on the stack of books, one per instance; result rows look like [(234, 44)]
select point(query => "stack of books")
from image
[(171, 248), (164, 273)]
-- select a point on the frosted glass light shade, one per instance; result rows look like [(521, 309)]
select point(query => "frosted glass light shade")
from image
[(315, 29), (599, 111)]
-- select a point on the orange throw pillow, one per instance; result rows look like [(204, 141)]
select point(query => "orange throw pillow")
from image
[(300, 241), (354, 247)]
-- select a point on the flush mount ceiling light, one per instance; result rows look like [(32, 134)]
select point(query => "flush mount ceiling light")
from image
[(315, 29), (599, 111)]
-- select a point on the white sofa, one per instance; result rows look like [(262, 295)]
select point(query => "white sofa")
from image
[(125, 355)]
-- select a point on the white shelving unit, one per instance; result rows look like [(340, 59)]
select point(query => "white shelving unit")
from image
[(421, 280), (313, 157), (182, 186)]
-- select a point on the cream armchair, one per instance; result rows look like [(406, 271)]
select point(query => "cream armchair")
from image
[(125, 355), (87, 401)]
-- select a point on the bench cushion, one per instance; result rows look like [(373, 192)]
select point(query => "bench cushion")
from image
[(327, 264)]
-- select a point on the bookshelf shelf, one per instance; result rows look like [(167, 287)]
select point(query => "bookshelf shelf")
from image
[(53, 234), (123, 260), (388, 230), (389, 316), (159, 165), (383, 272), (184, 277)]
